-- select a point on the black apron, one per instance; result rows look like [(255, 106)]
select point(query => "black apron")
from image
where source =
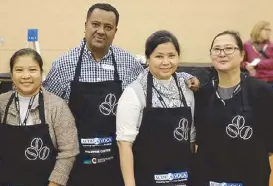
[(94, 107), (231, 149), (162, 148), (27, 152)]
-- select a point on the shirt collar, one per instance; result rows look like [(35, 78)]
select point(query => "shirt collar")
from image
[(89, 54)]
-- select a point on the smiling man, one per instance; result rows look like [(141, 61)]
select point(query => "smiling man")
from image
[(91, 78)]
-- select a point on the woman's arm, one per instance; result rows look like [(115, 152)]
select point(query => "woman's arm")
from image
[(254, 59), (67, 142), (127, 162), (128, 117)]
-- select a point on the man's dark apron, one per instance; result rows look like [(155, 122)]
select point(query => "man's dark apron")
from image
[(94, 108)]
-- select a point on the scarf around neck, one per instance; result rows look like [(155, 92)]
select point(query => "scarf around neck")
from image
[(167, 89)]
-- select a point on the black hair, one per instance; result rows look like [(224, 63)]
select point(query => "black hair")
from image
[(26, 52), (103, 6), (159, 37), (235, 35)]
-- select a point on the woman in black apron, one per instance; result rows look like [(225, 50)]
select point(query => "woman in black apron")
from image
[(154, 120), (234, 121), (38, 136)]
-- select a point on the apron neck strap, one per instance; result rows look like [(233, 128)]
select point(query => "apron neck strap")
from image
[(149, 90), (182, 97), (7, 107), (78, 67), (150, 85), (116, 75), (41, 107), (245, 103), (244, 94)]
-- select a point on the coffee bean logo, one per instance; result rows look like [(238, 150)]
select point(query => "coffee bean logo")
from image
[(238, 129), (246, 133), (31, 153), (181, 132), (239, 121), (109, 106), (114, 109), (232, 131), (37, 143), (44, 153), (111, 99), (36, 150), (105, 109)]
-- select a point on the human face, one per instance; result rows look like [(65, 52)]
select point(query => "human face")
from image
[(26, 76), (163, 61), (265, 33), (100, 29), (229, 58)]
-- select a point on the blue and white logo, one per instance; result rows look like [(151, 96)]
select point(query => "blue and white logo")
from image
[(96, 141), (171, 176)]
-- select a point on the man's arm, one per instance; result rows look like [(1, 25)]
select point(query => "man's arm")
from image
[(192, 82), (135, 70), (54, 81)]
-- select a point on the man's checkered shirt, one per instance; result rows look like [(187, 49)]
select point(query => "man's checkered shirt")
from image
[(63, 69)]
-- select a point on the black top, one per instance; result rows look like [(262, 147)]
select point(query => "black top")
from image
[(259, 98), (234, 136)]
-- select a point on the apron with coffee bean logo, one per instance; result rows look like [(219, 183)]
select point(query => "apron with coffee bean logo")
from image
[(230, 148), (27, 154), (162, 154), (94, 105)]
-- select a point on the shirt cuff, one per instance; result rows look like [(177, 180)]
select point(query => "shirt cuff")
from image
[(186, 76), (58, 178), (128, 138)]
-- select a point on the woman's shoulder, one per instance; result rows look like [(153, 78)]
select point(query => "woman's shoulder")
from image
[(181, 78), (6, 95), (205, 92), (135, 93), (258, 88), (4, 98), (53, 101)]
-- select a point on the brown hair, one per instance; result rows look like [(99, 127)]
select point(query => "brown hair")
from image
[(255, 33)]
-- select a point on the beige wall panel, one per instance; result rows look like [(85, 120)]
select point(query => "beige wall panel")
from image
[(61, 23)]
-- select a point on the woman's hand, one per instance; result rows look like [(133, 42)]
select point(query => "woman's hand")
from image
[(251, 70), (193, 84)]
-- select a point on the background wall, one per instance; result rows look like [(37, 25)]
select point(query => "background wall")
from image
[(61, 23)]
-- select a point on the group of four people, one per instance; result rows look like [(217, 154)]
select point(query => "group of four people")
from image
[(124, 125)]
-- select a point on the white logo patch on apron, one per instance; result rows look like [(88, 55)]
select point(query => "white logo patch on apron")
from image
[(37, 150), (109, 106), (181, 132), (237, 128), (212, 183)]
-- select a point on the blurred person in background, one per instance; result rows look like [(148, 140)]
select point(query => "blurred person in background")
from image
[(259, 53)]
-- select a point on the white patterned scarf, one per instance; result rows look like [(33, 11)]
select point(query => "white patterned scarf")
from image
[(168, 90)]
